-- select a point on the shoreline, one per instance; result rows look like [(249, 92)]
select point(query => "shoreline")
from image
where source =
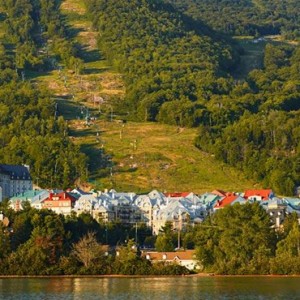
[(200, 275)]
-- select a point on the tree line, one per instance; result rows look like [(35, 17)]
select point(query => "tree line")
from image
[(40, 242), (238, 239), (31, 134)]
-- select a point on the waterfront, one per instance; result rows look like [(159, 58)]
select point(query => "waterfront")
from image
[(151, 288)]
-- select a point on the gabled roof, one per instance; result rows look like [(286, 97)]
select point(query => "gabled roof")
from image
[(112, 194), (163, 256), (79, 192), (264, 194), (228, 200), (60, 197), (142, 200), (87, 197), (173, 210), (208, 198), (156, 194), (16, 172)]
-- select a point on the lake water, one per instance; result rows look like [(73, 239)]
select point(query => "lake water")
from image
[(151, 288)]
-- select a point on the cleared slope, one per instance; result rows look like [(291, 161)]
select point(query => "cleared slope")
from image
[(145, 156), (97, 78)]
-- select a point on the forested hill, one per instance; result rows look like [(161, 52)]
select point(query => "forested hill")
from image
[(173, 75), (170, 64), (246, 17)]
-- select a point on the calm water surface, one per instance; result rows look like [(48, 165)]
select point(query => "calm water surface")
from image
[(151, 288)]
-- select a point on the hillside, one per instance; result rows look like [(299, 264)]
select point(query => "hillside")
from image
[(169, 62), (163, 165), (245, 17), (142, 61)]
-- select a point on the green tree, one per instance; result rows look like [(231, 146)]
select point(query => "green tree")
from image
[(287, 259), (236, 240)]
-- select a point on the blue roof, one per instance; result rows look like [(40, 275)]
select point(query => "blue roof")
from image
[(16, 172)]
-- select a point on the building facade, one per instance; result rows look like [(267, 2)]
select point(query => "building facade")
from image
[(14, 179)]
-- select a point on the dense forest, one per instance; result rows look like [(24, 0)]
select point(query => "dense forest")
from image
[(246, 17), (169, 61), (239, 239)]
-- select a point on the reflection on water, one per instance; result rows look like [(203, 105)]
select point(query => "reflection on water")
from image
[(151, 288)]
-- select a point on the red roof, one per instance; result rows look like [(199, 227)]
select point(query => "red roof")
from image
[(177, 195), (60, 197), (264, 194), (227, 200)]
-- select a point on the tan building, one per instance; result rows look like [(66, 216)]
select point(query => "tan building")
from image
[(185, 258)]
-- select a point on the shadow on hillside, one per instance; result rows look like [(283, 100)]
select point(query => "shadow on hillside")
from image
[(67, 108), (33, 75), (90, 55), (2, 16), (87, 132), (97, 158), (90, 71)]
